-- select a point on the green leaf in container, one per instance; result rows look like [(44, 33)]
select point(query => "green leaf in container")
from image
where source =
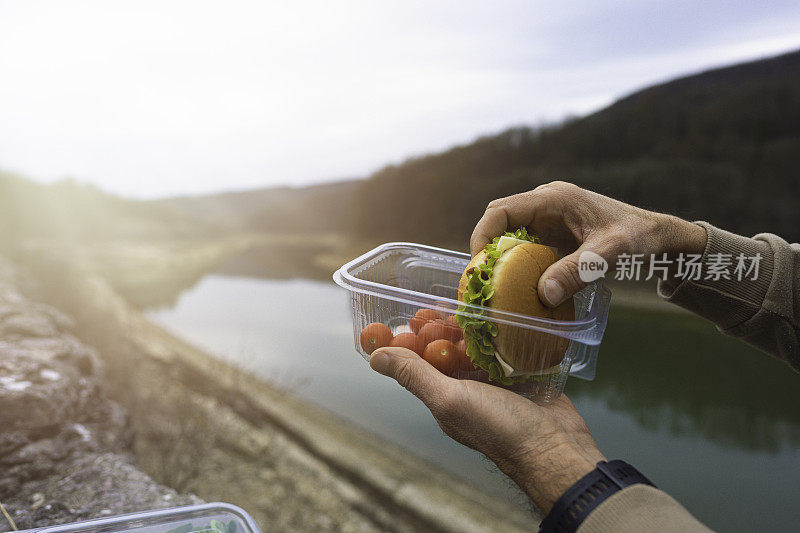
[(186, 528), (479, 333), (487, 292)]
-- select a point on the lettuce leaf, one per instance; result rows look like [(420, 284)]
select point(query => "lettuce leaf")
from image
[(479, 333)]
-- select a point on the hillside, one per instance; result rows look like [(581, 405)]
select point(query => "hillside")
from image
[(71, 212), (723, 146), (148, 252), (316, 208)]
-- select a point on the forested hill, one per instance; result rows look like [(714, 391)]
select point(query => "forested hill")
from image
[(723, 146), (316, 208)]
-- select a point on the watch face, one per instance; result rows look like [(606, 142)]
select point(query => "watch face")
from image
[(622, 473)]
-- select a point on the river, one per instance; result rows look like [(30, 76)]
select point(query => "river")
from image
[(711, 421)]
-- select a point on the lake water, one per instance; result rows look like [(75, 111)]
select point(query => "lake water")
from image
[(711, 421)]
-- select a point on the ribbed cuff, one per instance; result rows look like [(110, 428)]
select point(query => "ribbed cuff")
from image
[(726, 302), (641, 508)]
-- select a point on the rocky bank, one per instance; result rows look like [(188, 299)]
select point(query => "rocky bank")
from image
[(141, 410), (65, 447)]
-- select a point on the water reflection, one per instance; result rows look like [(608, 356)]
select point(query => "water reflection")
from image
[(710, 420), (678, 373), (668, 371)]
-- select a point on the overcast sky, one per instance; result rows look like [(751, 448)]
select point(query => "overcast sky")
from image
[(157, 98)]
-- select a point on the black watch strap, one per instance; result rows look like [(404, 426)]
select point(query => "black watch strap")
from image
[(591, 490)]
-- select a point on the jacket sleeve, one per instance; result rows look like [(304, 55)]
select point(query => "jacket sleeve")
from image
[(641, 508), (763, 308)]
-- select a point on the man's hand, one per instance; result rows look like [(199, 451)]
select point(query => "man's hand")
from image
[(573, 220), (544, 449)]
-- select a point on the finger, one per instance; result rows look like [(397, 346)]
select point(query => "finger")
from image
[(494, 222), (412, 372), (503, 214), (562, 279)]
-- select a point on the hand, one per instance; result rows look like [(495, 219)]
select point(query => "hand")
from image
[(573, 220), (545, 449)]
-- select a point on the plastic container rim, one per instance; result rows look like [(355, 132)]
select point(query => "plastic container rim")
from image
[(575, 329), (173, 513)]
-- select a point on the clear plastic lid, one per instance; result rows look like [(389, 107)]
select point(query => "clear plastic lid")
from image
[(205, 518)]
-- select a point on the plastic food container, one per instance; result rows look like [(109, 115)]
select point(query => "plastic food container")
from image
[(205, 518), (395, 280)]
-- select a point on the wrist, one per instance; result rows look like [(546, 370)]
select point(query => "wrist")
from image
[(591, 491), (546, 476), (678, 236)]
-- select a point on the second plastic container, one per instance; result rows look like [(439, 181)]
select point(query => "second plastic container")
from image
[(203, 518)]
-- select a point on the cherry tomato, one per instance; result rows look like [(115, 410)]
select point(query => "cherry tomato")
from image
[(442, 355), (454, 332), (433, 331), (421, 317), (464, 362), (407, 340), (374, 336)]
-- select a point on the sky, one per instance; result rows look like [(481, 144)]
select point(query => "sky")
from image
[(155, 98)]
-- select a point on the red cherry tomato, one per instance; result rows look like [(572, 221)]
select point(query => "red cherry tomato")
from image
[(464, 362), (421, 317), (454, 332), (433, 331), (407, 340), (442, 355), (374, 336)]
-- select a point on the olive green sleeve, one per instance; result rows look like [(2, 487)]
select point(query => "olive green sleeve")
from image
[(763, 312), (641, 508), (762, 309)]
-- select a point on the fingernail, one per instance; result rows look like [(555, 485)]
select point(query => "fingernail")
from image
[(379, 361), (553, 292)]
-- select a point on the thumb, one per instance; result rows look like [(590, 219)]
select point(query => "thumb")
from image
[(562, 279), (411, 371)]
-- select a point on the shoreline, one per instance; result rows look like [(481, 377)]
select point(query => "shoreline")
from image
[(282, 459), (261, 447)]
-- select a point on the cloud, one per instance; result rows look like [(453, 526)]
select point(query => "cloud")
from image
[(156, 98)]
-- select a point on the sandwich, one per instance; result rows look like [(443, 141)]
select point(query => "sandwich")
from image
[(505, 276)]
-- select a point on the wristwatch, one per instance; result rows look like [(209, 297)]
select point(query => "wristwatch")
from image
[(591, 490)]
